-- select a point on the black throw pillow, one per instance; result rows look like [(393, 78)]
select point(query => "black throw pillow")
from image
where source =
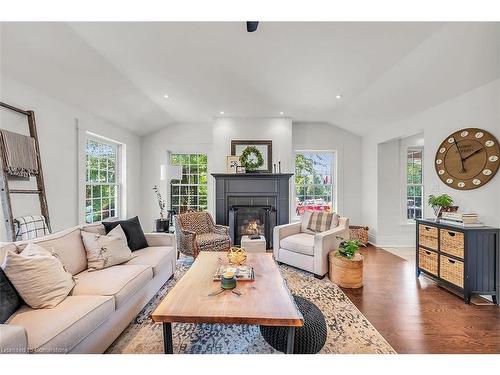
[(133, 231), (10, 300)]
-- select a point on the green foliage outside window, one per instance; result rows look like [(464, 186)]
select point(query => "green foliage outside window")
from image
[(189, 192)]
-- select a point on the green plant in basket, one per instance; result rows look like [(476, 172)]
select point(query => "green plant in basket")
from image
[(348, 248)]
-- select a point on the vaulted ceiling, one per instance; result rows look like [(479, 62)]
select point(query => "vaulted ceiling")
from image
[(121, 71)]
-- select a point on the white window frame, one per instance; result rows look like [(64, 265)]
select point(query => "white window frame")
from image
[(121, 206), (335, 183), (405, 184), (169, 183)]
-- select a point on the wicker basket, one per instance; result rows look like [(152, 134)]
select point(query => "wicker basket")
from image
[(428, 236), (360, 233), (452, 270), (452, 243), (428, 260)]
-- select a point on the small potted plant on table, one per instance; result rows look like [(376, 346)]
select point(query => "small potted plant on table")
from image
[(346, 265), (441, 203), (162, 224)]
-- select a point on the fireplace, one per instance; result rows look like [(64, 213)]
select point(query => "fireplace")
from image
[(249, 202), (251, 220)]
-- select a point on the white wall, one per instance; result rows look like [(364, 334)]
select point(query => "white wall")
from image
[(323, 136), (214, 139), (476, 108), (57, 132), (181, 138)]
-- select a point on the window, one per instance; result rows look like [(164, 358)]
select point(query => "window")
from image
[(314, 173), (190, 192), (102, 180), (414, 183)]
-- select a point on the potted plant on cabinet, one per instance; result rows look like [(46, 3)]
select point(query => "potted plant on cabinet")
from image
[(441, 203), (346, 265), (162, 224)]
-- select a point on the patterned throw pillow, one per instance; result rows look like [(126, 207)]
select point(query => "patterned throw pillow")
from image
[(106, 250), (320, 221), (38, 276)]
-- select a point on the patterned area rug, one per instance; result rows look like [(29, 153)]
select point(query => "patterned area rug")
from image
[(349, 332)]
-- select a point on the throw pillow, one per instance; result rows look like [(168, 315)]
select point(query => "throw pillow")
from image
[(106, 250), (10, 300), (133, 231), (39, 276), (321, 221)]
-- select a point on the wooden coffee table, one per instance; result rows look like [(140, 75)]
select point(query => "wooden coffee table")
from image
[(265, 301)]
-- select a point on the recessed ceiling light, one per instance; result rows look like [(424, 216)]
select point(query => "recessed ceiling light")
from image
[(282, 113), (221, 112), (165, 96), (339, 96)]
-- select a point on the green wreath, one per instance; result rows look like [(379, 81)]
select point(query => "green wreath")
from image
[(247, 162)]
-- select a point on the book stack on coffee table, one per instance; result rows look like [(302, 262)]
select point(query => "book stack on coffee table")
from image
[(467, 220)]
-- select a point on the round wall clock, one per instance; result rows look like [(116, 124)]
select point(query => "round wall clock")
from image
[(468, 159)]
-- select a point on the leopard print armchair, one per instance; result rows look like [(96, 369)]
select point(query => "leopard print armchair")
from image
[(196, 231)]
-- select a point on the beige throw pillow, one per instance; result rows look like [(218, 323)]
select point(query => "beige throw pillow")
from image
[(38, 276), (106, 250)]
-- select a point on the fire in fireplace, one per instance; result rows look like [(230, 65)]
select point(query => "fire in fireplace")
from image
[(251, 221)]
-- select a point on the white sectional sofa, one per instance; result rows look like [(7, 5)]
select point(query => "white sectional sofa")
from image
[(102, 303)]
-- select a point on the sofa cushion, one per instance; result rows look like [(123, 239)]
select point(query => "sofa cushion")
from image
[(60, 329), (153, 257), (94, 228), (10, 300), (301, 243), (67, 245), (38, 276), (104, 251), (213, 241), (120, 282), (5, 247), (133, 230)]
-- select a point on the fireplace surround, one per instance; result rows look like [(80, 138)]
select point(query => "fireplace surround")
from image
[(257, 199)]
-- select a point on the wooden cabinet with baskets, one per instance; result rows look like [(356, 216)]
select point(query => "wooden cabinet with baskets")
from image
[(465, 259)]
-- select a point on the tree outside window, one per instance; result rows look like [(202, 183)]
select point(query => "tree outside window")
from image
[(191, 191), (415, 186), (102, 188), (314, 182)]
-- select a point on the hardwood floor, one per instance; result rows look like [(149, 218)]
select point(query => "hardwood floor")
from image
[(416, 315)]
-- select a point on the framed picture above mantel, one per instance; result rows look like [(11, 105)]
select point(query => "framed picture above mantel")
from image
[(255, 155)]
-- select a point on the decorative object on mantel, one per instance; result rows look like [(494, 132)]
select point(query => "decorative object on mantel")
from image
[(360, 233), (236, 255), (161, 224), (232, 163), (468, 159), (255, 156), (441, 203), (346, 265), (240, 169)]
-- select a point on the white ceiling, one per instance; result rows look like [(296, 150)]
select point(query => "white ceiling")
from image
[(120, 71)]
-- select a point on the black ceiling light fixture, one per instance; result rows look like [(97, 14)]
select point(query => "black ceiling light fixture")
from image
[(252, 26)]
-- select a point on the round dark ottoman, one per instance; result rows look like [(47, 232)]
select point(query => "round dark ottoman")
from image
[(309, 339)]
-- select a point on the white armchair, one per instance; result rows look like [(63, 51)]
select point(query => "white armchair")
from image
[(297, 246)]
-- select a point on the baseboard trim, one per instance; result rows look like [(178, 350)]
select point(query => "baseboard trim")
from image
[(390, 241)]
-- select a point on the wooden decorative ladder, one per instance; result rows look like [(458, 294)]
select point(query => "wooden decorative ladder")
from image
[(5, 191)]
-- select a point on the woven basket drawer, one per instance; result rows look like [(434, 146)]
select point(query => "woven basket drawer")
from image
[(428, 236), (452, 242), (452, 270), (428, 261)]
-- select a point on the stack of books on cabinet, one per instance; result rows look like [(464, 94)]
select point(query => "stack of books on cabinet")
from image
[(468, 220)]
